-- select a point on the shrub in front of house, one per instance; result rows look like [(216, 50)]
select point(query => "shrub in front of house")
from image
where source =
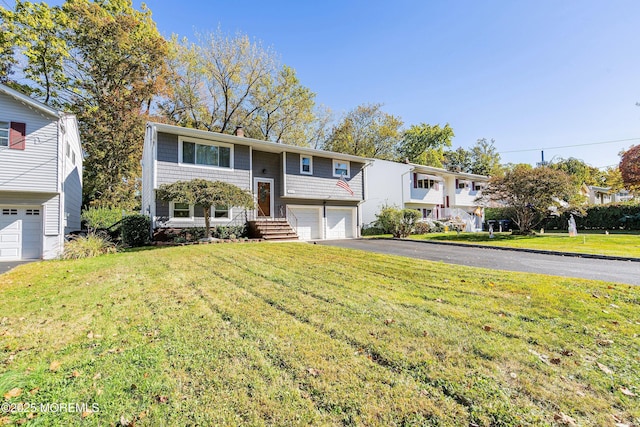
[(135, 230), (398, 222), (422, 227), (91, 245), (100, 218), (230, 232)]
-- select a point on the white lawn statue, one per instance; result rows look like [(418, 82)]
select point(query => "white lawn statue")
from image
[(573, 231)]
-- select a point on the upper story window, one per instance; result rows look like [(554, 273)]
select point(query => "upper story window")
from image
[(462, 184), (205, 153), (341, 168), (428, 183), (4, 134), (306, 165)]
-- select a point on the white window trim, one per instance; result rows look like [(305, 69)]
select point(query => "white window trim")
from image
[(171, 207), (221, 219), (302, 172), (182, 139), (333, 169), (8, 138)]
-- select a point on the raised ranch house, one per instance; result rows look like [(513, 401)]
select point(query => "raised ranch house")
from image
[(438, 194), (299, 192), (40, 177)]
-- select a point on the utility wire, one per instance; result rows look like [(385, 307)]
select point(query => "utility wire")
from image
[(569, 146)]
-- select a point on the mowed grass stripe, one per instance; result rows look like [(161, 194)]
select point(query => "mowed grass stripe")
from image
[(533, 361), (295, 334), (328, 370), (407, 358)]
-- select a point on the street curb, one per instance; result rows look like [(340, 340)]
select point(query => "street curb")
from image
[(503, 248)]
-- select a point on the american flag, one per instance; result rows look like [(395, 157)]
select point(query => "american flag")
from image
[(344, 185)]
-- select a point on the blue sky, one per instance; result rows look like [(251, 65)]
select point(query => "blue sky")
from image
[(530, 74)]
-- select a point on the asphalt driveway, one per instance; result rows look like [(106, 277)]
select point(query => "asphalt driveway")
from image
[(597, 269), (10, 265)]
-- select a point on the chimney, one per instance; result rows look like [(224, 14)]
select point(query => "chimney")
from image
[(239, 131)]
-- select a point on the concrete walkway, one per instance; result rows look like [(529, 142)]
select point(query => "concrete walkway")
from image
[(558, 264)]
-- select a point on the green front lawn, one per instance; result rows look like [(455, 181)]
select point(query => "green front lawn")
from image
[(298, 334), (627, 245)]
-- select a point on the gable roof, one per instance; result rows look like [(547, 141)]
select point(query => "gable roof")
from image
[(29, 102), (273, 147)]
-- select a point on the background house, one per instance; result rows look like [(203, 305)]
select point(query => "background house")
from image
[(297, 184), (602, 195), (40, 177), (438, 194)]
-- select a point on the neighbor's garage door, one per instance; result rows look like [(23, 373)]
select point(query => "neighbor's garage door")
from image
[(309, 222), (20, 233), (340, 222)]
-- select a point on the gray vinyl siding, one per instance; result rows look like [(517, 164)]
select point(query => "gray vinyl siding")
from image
[(322, 184), (36, 167), (163, 219), (169, 170), (271, 163)]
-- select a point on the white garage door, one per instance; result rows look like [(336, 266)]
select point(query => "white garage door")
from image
[(309, 220), (340, 223), (20, 233)]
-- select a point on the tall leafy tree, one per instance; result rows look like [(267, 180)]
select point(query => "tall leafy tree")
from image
[(366, 131), (579, 171), (37, 31), (528, 194), (204, 193), (424, 144), (224, 81), (630, 167), (105, 61), (118, 56), (485, 159), (458, 160)]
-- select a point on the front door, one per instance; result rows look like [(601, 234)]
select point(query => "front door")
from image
[(262, 190)]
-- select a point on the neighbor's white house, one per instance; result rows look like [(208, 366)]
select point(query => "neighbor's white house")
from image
[(40, 177), (438, 194)]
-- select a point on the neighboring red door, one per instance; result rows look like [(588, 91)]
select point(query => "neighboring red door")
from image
[(264, 198)]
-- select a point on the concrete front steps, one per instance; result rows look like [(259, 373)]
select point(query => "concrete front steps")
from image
[(272, 229)]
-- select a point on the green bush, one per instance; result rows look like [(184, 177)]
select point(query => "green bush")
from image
[(371, 231), (399, 223), (97, 218), (192, 234), (229, 232), (135, 230), (88, 246)]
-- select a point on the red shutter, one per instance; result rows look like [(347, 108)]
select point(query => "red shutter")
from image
[(17, 135), (415, 180), (457, 183)]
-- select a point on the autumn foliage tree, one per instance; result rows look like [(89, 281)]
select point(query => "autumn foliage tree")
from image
[(630, 167), (104, 61), (530, 194), (223, 81)]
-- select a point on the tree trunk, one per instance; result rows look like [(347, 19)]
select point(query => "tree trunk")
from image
[(207, 221)]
